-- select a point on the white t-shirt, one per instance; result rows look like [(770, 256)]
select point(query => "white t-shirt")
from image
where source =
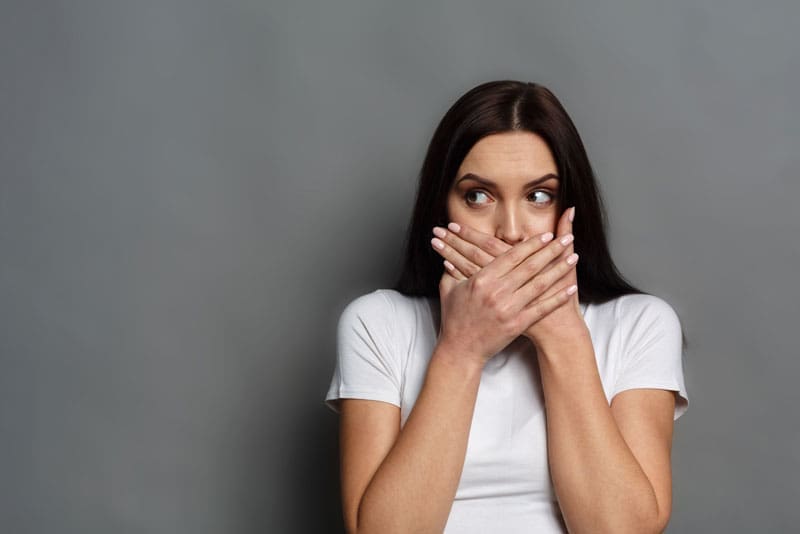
[(384, 343)]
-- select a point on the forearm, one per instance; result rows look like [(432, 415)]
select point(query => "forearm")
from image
[(414, 487), (599, 483)]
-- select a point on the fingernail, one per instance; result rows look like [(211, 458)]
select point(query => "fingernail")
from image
[(439, 232), (547, 237), (572, 289), (454, 227), (572, 214), (567, 239), (436, 243)]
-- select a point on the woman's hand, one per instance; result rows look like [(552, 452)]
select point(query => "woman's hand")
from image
[(484, 312), (467, 252)]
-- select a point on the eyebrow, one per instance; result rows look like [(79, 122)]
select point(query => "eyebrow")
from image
[(489, 183)]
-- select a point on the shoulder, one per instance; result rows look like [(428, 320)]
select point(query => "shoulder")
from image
[(644, 319), (638, 311), (632, 307), (384, 307), (642, 305), (634, 315), (381, 301), (368, 303)]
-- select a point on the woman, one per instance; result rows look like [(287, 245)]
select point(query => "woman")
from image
[(512, 380)]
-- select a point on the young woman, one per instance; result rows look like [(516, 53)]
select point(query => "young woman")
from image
[(511, 381)]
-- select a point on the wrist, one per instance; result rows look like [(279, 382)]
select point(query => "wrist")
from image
[(563, 340), (457, 355)]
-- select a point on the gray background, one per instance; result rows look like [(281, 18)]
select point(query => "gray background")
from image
[(190, 192)]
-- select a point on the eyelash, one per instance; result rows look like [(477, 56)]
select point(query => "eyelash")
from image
[(551, 195)]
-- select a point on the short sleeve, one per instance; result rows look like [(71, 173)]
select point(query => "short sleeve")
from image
[(367, 366), (652, 348)]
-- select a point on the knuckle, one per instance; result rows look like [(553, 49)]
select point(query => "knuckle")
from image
[(539, 284), (517, 255), (531, 266), (473, 255), (555, 249), (494, 299), (478, 283), (493, 247), (562, 269), (507, 315), (535, 311), (513, 325)]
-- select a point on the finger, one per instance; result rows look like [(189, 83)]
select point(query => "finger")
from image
[(537, 263), (454, 271), (445, 284), (568, 250), (543, 307), (510, 259), (563, 227), (564, 224), (537, 286), (471, 252), (456, 259), (567, 227), (484, 242), (571, 278)]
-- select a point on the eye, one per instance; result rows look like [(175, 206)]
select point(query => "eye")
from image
[(470, 192), (547, 200), (543, 201)]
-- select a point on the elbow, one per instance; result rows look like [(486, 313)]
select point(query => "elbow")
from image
[(661, 523), (662, 515), (351, 520), (645, 522), (653, 523), (654, 518), (652, 527), (354, 523)]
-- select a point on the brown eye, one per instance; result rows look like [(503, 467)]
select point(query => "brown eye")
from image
[(547, 197), (473, 192)]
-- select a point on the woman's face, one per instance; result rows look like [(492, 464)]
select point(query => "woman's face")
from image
[(506, 186)]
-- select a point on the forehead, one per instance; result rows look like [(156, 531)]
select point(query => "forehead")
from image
[(509, 155)]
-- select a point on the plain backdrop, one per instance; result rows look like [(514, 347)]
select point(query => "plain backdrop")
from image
[(191, 192)]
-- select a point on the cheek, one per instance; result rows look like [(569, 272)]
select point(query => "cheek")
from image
[(540, 226), (535, 223), (454, 211), (553, 222)]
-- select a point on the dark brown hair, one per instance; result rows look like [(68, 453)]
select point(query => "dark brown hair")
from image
[(497, 107)]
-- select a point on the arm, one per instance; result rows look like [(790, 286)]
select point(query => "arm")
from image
[(413, 486), (610, 465)]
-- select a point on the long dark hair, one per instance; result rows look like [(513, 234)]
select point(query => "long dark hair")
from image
[(497, 107)]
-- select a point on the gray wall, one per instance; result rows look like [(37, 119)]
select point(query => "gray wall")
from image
[(190, 192)]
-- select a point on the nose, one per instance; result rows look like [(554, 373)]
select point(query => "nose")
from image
[(510, 226)]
